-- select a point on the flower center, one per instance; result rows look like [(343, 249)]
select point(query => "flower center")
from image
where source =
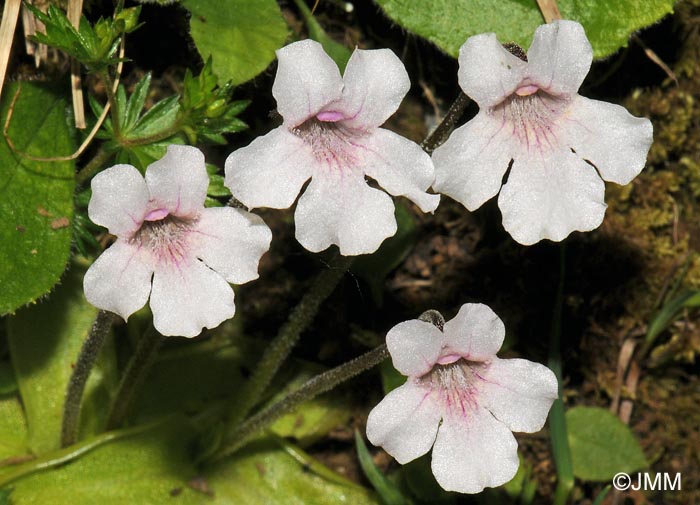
[(166, 239), (455, 384), (331, 143), (532, 114)]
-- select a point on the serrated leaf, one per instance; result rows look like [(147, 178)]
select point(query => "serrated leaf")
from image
[(45, 340), (136, 101), (601, 445), (217, 187), (448, 23), (36, 198), (162, 116), (240, 35)]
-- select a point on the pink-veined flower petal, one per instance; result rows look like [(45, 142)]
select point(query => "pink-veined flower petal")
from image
[(414, 347), (488, 73), (559, 57), (405, 422), (307, 80), (342, 209), (120, 279), (518, 392), (119, 200), (551, 195), (400, 167), (231, 242), (473, 452), (470, 166), (178, 181), (608, 136), (270, 171), (188, 297), (476, 333), (375, 84)]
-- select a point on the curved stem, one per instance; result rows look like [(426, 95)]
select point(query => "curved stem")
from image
[(81, 372), (287, 337), (100, 158), (73, 452), (112, 99), (443, 129), (312, 388), (133, 378), (557, 420)]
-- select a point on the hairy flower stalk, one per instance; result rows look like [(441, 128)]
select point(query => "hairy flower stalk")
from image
[(315, 386)]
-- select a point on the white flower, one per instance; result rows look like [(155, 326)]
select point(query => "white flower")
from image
[(331, 135), (561, 144), (165, 234), (460, 397)]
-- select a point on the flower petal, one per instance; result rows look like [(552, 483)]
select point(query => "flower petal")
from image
[(270, 171), (342, 209), (518, 392), (375, 83), (178, 181), (401, 167), (472, 453), (119, 280), (119, 200), (470, 166), (405, 422), (488, 73), (475, 333), (414, 347), (188, 297), (307, 80), (231, 242), (551, 196), (559, 57), (608, 136)]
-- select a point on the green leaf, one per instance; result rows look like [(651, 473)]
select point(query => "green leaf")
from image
[(45, 340), (387, 490), (314, 419), (241, 35), (8, 383), (36, 198), (448, 23), (13, 428), (338, 52), (668, 313), (601, 444), (262, 473), (151, 467)]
